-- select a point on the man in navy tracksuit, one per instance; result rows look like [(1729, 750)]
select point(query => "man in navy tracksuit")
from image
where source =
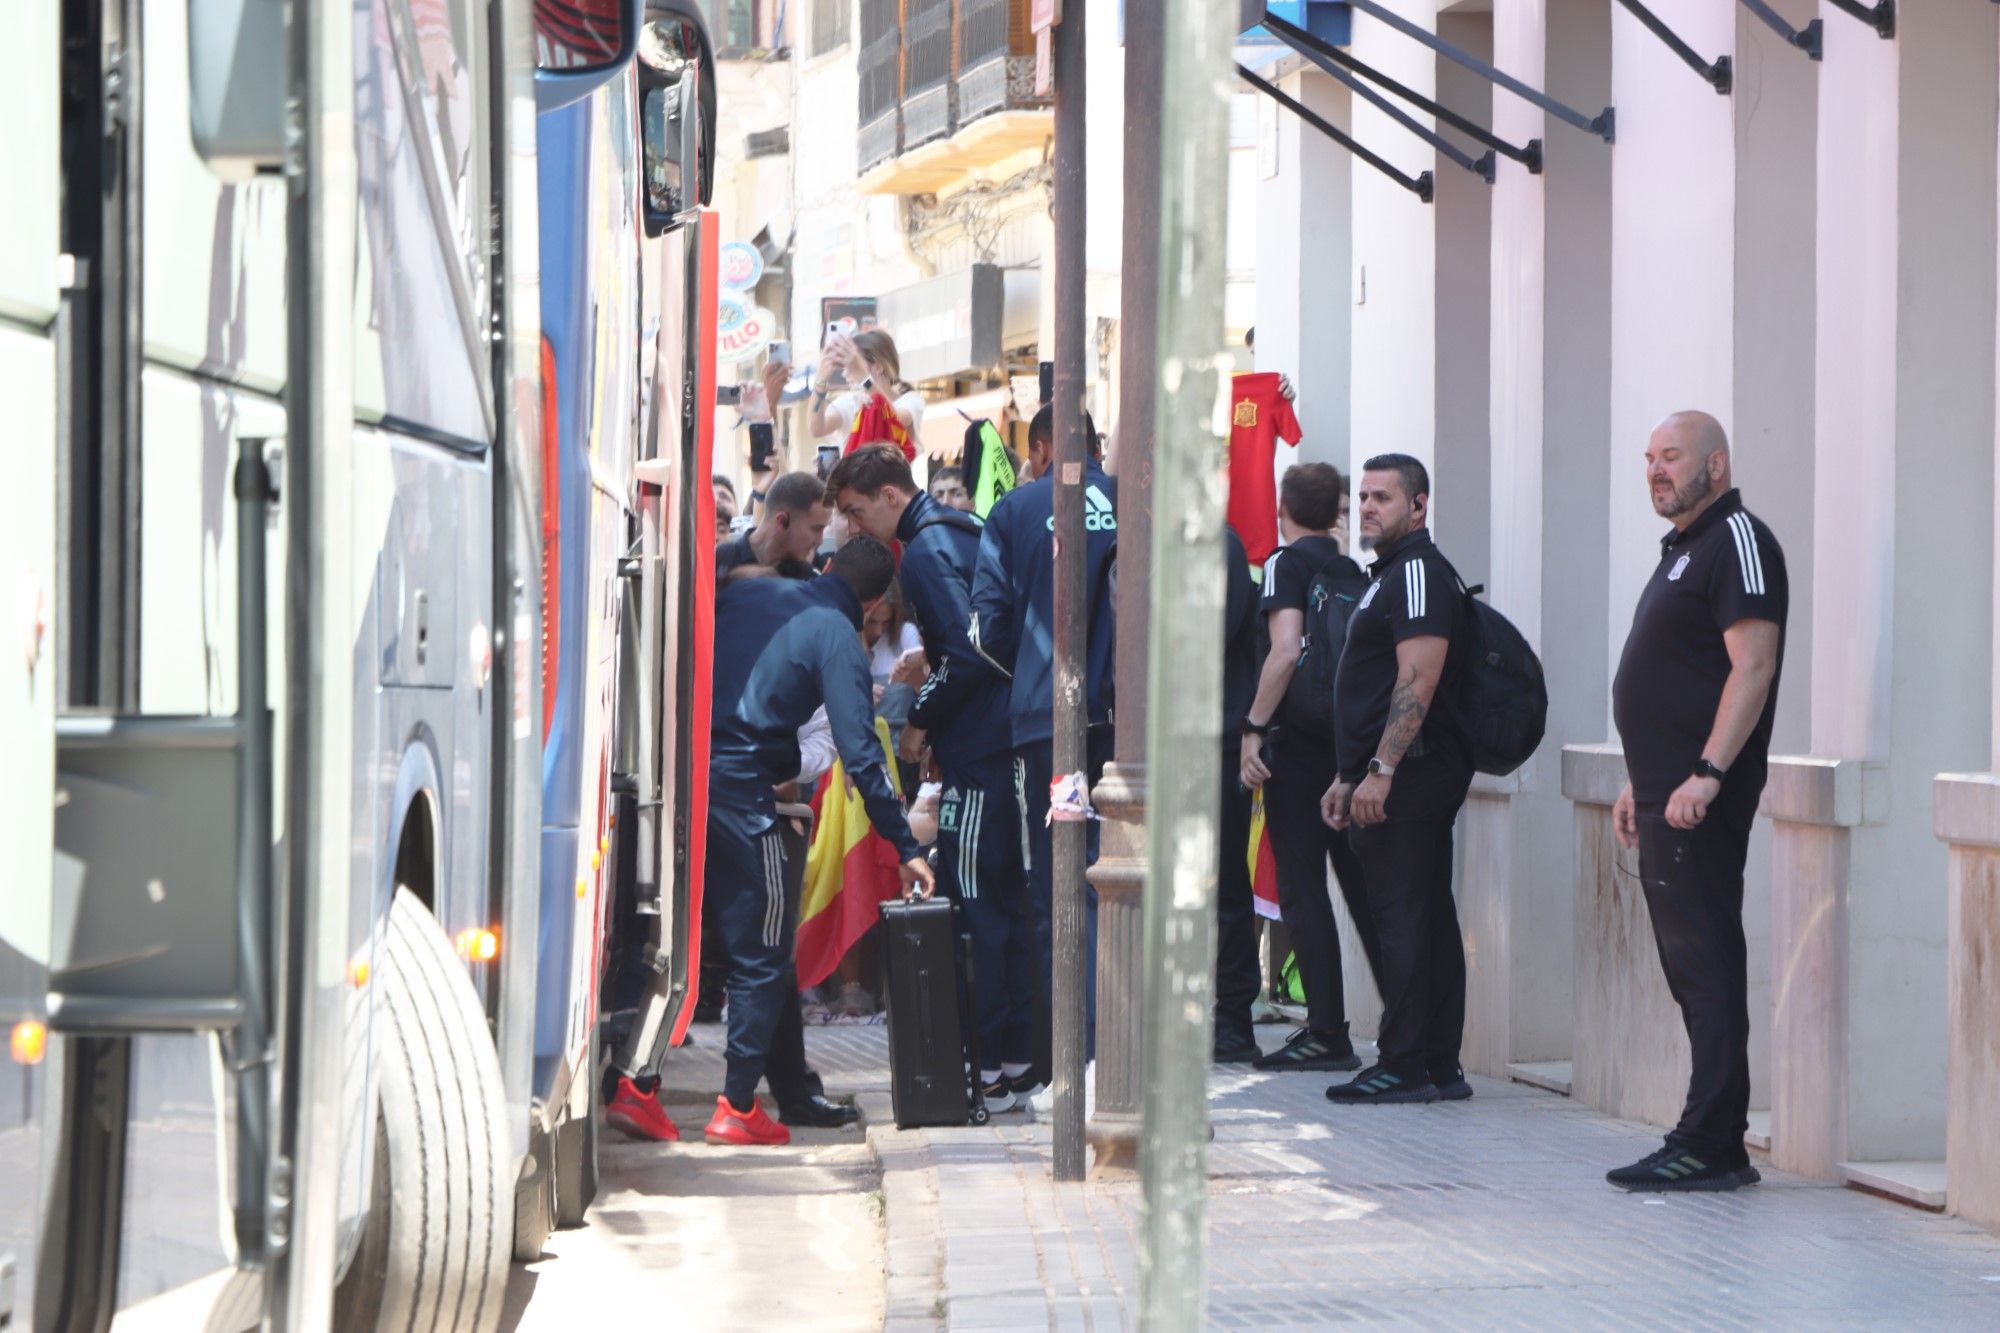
[(962, 713), (782, 648), (1013, 626)]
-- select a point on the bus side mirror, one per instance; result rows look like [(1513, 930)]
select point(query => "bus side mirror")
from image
[(676, 114), (580, 45), (236, 85)]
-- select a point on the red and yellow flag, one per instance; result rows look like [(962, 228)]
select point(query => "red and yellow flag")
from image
[(1263, 865), (851, 870)]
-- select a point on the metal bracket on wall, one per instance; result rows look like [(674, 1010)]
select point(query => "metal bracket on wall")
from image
[(1717, 75), (1327, 57), (1481, 167), (1529, 155), (1880, 16), (1807, 39), (1422, 185), (1604, 124)]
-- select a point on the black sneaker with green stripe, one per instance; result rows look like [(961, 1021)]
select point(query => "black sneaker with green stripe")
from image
[(1305, 1049), (1376, 1086), (1676, 1169)]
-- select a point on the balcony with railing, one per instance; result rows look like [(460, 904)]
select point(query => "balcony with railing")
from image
[(967, 95), (881, 69)]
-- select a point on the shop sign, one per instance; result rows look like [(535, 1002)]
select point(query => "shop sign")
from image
[(949, 324), (746, 336), (740, 266)]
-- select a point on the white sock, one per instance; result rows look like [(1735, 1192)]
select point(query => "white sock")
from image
[(989, 1076), (1014, 1071)]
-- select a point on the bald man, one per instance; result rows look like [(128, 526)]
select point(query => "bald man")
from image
[(1693, 701)]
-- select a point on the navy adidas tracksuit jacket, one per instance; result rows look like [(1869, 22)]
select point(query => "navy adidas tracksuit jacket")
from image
[(963, 709), (781, 649), (1013, 626), (1013, 599)]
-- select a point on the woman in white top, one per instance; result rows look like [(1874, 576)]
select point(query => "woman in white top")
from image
[(869, 362)]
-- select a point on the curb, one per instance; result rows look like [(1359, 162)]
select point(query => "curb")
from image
[(913, 1240)]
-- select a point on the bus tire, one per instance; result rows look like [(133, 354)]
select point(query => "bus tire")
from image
[(443, 1112), (576, 1152)]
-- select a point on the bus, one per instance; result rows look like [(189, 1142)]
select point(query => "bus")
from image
[(361, 390)]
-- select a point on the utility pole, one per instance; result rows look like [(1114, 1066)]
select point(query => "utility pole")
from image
[(1120, 872), (1068, 925), (1186, 654)]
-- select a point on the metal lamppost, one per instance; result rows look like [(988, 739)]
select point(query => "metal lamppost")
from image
[(1071, 706), (1120, 872), (1185, 650)]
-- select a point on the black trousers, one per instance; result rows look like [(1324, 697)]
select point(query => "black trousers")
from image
[(1694, 893), (1237, 976), (1406, 864), (754, 882), (1302, 768)]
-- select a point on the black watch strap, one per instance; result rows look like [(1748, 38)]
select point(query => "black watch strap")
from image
[(1253, 729), (1704, 769)]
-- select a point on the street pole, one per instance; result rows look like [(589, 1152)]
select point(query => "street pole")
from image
[(1186, 654), (1120, 872), (1071, 709)]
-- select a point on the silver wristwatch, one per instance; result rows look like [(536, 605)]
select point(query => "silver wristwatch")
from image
[(1377, 768)]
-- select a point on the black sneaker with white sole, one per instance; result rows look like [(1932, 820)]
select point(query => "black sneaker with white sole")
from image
[(1308, 1050), (1000, 1095), (1675, 1170), (1376, 1086), (1024, 1085)]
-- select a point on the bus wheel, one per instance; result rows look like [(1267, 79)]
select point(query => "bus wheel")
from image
[(576, 1151), (443, 1137)]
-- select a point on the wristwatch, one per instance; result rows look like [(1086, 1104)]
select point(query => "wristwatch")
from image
[(1254, 728), (1376, 768), (1704, 769)]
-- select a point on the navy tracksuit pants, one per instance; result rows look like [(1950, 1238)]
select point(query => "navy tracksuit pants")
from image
[(1033, 771), (979, 865), (751, 890)]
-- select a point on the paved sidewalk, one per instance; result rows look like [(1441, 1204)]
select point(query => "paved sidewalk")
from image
[(1489, 1213), (689, 1236)]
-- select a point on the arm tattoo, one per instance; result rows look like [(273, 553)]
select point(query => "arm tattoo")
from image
[(1406, 720)]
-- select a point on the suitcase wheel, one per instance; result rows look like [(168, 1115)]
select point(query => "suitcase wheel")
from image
[(980, 1115)]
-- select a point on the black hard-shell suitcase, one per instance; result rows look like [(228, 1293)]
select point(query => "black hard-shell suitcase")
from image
[(933, 1055)]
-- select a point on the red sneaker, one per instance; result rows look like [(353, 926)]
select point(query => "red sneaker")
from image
[(750, 1128), (639, 1115)]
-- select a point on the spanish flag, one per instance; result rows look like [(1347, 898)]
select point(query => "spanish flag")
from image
[(851, 870), (1263, 865)]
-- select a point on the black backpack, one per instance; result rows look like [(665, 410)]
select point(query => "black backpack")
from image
[(1330, 600), (1501, 700)]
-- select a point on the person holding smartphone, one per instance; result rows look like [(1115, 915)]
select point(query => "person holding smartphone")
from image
[(868, 363)]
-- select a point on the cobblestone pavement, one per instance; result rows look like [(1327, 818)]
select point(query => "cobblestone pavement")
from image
[(692, 1237), (1491, 1213)]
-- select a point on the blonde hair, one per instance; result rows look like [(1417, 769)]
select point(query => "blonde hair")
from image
[(880, 348)]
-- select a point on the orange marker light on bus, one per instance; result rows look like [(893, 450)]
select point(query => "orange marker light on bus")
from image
[(30, 1041), (478, 946), (357, 973)]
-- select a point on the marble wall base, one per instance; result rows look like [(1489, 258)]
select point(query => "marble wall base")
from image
[(1630, 1054), (1968, 818)]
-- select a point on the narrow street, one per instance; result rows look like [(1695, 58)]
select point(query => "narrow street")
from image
[(1491, 1212)]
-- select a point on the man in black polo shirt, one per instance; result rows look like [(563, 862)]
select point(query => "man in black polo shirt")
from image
[(1296, 765), (1404, 773), (1693, 699)]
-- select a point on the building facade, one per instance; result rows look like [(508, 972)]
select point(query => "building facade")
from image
[(1810, 257)]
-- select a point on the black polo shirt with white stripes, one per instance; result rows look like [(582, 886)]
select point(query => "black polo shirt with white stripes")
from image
[(1726, 568), (1414, 593)]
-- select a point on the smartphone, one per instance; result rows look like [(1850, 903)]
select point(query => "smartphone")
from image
[(781, 352), (763, 446)]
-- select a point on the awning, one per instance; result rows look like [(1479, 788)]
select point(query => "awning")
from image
[(947, 325)]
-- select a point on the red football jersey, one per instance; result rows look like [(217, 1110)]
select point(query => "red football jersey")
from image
[(1259, 416)]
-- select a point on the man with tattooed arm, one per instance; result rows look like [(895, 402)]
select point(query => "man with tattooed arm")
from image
[(1404, 770)]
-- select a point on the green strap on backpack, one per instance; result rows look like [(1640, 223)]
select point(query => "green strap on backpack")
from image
[(991, 466)]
